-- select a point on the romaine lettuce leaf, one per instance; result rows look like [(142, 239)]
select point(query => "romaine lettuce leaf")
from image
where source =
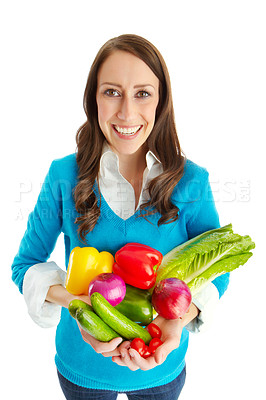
[(227, 264), (199, 260)]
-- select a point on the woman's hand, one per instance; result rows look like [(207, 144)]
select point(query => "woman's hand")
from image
[(59, 295), (104, 348), (107, 349), (171, 335)]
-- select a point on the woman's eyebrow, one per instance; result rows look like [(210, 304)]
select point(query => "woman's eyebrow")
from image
[(144, 85), (135, 87)]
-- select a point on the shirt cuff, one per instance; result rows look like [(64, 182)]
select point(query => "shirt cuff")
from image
[(206, 300), (36, 284)]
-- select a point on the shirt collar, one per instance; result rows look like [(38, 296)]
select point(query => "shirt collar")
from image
[(110, 160), (151, 159)]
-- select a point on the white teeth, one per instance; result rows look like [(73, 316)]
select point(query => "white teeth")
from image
[(127, 131)]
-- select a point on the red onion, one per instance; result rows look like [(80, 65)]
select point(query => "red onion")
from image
[(171, 298), (110, 286)]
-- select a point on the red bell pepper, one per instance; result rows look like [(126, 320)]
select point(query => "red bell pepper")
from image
[(137, 264)]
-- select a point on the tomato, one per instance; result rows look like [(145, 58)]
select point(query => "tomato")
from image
[(144, 350), (154, 330), (138, 345), (147, 352), (154, 344)]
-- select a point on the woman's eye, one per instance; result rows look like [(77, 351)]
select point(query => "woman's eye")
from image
[(111, 92), (143, 94), (114, 93)]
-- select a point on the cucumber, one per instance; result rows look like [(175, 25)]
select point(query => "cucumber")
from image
[(76, 304), (116, 320), (92, 324)]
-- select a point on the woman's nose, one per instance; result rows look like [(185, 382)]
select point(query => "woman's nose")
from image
[(127, 110)]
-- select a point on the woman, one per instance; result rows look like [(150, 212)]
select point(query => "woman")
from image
[(128, 182)]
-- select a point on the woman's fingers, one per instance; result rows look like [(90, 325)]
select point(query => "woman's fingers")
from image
[(101, 347), (117, 350), (125, 360), (107, 347), (133, 360), (141, 363), (166, 348)]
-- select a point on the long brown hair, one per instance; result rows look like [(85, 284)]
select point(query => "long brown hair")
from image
[(163, 140)]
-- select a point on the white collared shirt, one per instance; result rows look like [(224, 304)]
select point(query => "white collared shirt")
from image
[(120, 196), (116, 190)]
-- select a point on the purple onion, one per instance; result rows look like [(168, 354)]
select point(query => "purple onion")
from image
[(171, 298), (110, 286)]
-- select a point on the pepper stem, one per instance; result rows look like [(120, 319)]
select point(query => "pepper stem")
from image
[(155, 267)]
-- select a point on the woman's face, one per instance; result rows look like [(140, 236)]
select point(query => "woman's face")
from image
[(127, 98)]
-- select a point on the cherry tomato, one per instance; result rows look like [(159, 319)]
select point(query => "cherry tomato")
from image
[(154, 330), (154, 344), (147, 352), (138, 345)]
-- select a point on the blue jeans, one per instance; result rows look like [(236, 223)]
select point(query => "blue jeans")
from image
[(170, 391)]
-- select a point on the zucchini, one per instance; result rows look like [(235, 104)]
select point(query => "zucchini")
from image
[(116, 320), (92, 324), (75, 305)]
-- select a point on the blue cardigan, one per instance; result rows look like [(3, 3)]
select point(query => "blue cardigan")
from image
[(55, 213)]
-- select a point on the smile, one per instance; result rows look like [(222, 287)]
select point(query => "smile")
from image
[(128, 131)]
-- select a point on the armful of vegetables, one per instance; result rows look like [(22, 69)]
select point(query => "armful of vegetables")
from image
[(172, 280)]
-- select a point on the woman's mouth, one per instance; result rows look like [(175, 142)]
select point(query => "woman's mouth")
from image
[(127, 132)]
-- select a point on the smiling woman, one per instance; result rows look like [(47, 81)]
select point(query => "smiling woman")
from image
[(128, 102), (130, 184)]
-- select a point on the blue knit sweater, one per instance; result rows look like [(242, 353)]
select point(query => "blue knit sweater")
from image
[(55, 213)]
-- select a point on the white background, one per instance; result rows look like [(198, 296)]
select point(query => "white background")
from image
[(215, 52)]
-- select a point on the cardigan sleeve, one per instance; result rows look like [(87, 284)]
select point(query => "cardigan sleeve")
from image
[(43, 228)]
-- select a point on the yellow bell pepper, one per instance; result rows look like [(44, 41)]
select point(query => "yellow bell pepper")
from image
[(84, 264)]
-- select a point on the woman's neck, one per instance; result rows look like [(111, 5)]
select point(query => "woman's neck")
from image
[(132, 166)]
